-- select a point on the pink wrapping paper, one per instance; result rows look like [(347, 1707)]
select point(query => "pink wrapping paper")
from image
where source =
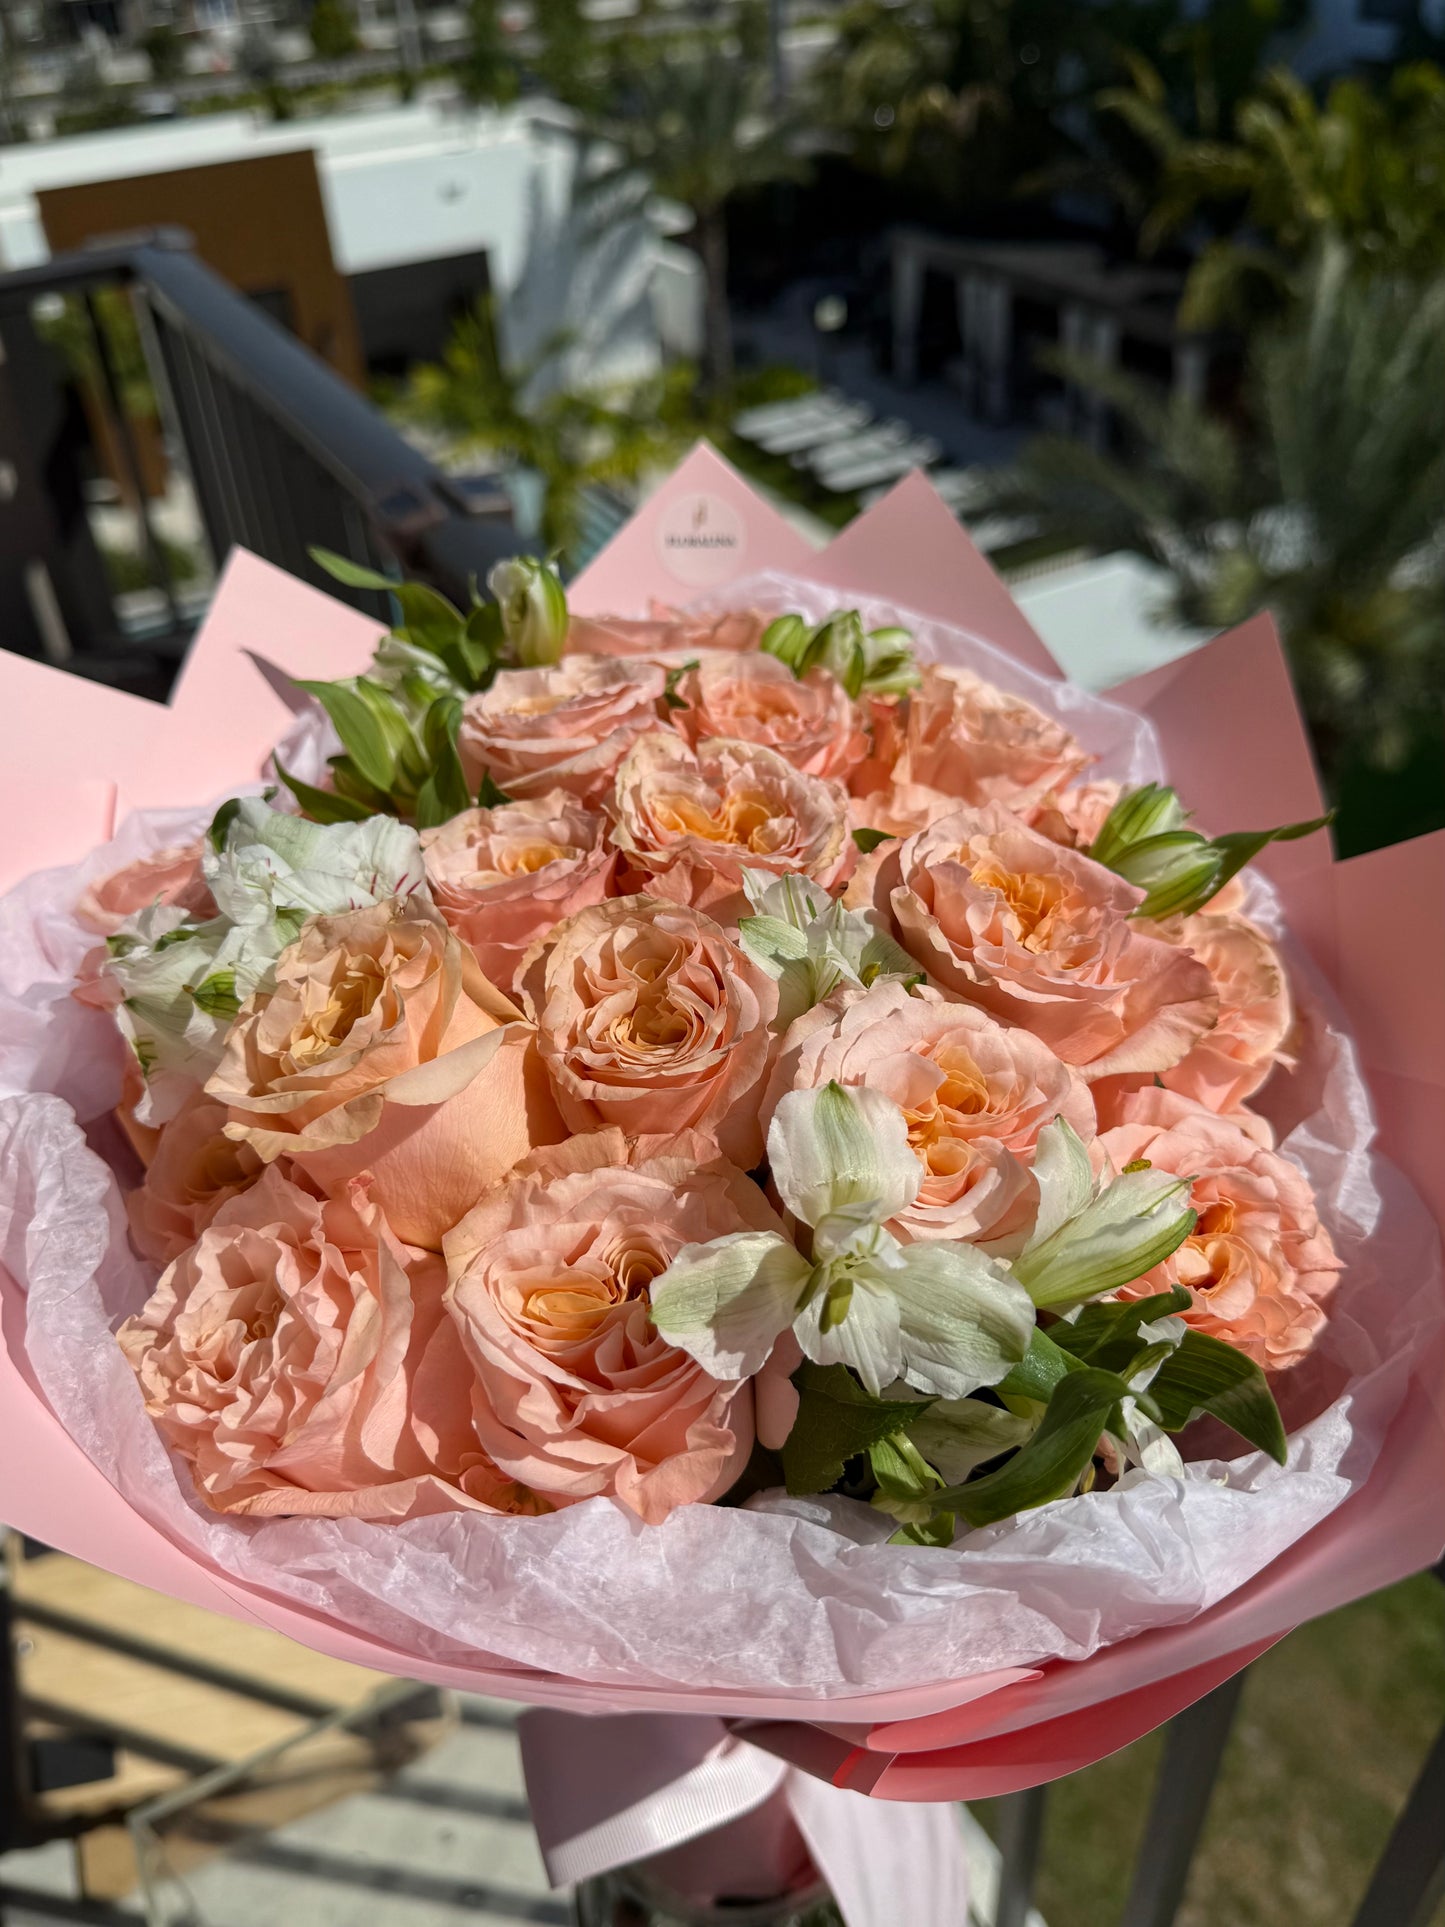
[(945, 1730)]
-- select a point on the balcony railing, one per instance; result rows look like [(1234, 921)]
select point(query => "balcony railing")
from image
[(139, 393)]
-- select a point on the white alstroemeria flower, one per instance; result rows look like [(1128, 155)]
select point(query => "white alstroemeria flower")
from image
[(810, 943), (943, 1317), (1090, 1238), (181, 983), (280, 869)]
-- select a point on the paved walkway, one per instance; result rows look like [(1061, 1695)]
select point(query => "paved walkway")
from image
[(785, 333), (446, 1842)]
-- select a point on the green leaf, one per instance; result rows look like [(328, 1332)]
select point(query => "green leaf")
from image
[(488, 795), (428, 619), (1040, 1370), (358, 728), (443, 795), (1051, 1463), (465, 662), (900, 1468), (939, 1530), (389, 715), (1243, 846), (868, 840), (1206, 1375), (837, 1419), (1100, 1325), (440, 725), (322, 806), (353, 574), (429, 811), (221, 823), (484, 627), (472, 656), (350, 783)]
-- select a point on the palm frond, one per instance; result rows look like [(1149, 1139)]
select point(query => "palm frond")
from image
[(1326, 503)]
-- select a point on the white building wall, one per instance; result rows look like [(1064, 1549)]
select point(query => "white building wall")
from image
[(419, 183)]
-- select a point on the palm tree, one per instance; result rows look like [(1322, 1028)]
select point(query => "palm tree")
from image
[(1325, 504), (970, 101), (573, 441), (692, 121), (1365, 168), (1176, 78), (489, 74)]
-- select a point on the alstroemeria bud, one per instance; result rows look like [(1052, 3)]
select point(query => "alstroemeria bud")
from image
[(1175, 867), (888, 665), (534, 609), (1150, 811), (787, 638), (839, 645)]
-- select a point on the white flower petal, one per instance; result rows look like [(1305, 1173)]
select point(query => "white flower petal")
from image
[(320, 869), (792, 899), (1064, 1176), (725, 1303), (1131, 1226), (835, 1149), (965, 1320), (1147, 1446), (867, 1337)]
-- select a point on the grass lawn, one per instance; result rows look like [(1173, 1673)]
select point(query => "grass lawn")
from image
[(1333, 1727)]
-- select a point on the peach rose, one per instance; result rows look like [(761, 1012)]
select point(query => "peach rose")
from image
[(1256, 1014), (564, 727), (383, 1049), (301, 1360), (505, 876), (981, 744), (651, 1019), (883, 718), (975, 1094), (1041, 936), (900, 809), (1074, 817), (689, 823), (666, 634), (757, 699), (194, 1168), (170, 876), (1259, 1264), (577, 1394)]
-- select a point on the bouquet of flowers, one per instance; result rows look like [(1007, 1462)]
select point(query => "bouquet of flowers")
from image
[(754, 1158)]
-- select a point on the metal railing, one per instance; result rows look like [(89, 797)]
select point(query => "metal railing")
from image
[(1405, 1889), (280, 452)]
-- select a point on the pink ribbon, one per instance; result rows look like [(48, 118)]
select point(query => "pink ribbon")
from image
[(612, 1789)]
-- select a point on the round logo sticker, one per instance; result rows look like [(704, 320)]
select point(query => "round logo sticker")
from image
[(701, 540)]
